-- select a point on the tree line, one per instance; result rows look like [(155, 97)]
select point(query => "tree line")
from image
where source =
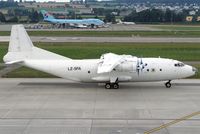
[(15, 15), (159, 1), (157, 15), (4, 4)]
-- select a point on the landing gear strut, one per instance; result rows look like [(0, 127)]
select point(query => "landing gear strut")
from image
[(168, 84), (112, 86)]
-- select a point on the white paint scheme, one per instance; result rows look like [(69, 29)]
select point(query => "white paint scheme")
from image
[(125, 23), (114, 68)]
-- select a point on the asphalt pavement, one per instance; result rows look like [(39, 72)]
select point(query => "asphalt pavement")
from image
[(110, 39), (58, 106)]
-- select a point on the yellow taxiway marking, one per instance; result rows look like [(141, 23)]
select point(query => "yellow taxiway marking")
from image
[(172, 123)]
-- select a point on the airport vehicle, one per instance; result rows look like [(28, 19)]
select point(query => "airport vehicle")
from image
[(79, 23), (109, 69)]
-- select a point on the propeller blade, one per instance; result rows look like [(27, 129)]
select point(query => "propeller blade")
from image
[(141, 62), (138, 67), (137, 62), (138, 72)]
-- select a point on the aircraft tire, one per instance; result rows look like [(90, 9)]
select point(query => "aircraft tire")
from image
[(108, 86), (168, 84), (115, 85)]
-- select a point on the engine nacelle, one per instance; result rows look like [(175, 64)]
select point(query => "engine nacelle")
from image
[(128, 66)]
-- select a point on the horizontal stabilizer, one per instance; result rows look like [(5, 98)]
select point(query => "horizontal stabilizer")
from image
[(14, 62)]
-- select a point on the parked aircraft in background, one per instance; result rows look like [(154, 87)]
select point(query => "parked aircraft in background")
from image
[(125, 23), (79, 23), (109, 69)]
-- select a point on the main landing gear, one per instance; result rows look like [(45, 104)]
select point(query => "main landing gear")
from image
[(168, 84), (112, 86)]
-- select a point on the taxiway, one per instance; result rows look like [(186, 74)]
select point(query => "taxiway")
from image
[(133, 39), (57, 106), (110, 27)]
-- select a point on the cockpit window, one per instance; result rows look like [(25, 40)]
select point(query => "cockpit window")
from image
[(180, 64)]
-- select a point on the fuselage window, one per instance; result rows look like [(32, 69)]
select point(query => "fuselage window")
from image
[(160, 69), (147, 70), (153, 70), (89, 72)]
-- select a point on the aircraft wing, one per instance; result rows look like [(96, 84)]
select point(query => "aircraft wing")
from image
[(108, 62)]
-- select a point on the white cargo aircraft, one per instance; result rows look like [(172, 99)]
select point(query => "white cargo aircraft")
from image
[(109, 69)]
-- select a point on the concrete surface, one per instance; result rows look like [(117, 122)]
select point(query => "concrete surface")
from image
[(111, 27), (57, 106), (109, 39)]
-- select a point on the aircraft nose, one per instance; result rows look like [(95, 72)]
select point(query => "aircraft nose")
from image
[(194, 70)]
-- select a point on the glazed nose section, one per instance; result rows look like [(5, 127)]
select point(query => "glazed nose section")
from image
[(195, 70)]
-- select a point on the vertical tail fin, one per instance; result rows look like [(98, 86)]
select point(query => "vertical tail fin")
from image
[(46, 15), (19, 40), (21, 48), (20, 45)]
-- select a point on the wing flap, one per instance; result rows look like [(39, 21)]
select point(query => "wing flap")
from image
[(109, 62)]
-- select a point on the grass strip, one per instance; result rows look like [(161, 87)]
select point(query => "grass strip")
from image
[(178, 27), (179, 51), (24, 72)]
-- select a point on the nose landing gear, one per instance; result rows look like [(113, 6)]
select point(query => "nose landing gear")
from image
[(112, 86), (168, 84)]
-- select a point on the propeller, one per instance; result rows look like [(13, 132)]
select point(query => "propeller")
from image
[(140, 65)]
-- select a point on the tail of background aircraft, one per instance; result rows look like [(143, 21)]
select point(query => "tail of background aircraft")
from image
[(21, 48), (46, 15)]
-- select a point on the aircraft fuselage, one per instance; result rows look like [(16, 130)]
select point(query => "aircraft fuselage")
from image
[(156, 69)]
